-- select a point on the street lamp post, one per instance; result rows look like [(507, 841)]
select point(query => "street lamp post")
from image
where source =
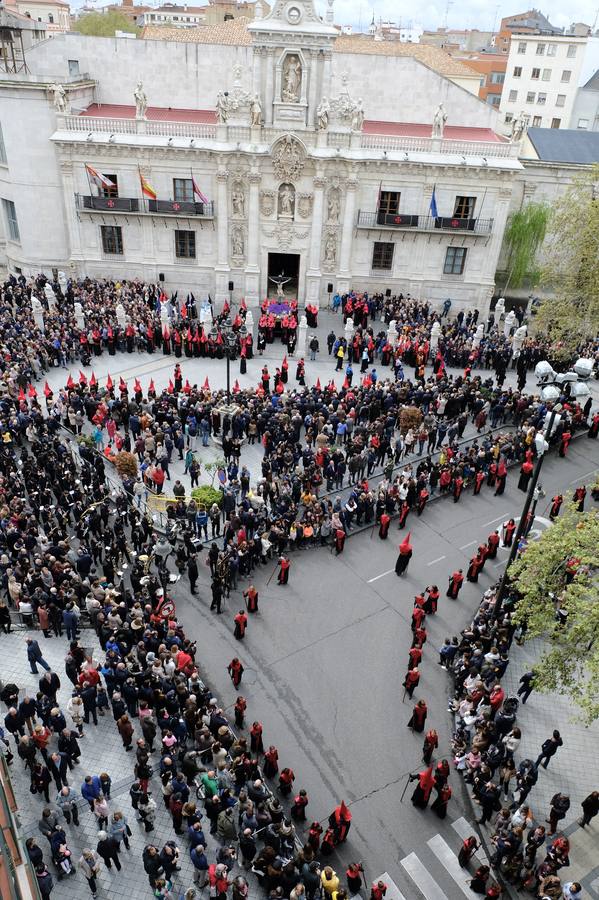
[(531, 496), (229, 346)]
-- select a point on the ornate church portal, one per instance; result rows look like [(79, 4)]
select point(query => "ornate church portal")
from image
[(283, 275)]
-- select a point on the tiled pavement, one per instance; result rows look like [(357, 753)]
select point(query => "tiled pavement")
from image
[(101, 750)]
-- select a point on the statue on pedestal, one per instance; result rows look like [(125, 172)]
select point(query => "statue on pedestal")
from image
[(439, 120), (141, 101), (120, 314), (323, 113), (222, 108), (60, 99), (292, 79), (256, 112), (79, 316), (38, 313), (357, 119)]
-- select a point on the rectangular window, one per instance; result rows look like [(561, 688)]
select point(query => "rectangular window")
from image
[(541, 49), (389, 203), (517, 71), (583, 123), (530, 97), (2, 148), (546, 74), (455, 260), (382, 255), (494, 99), (566, 75), (561, 100), (183, 190), (555, 123), (571, 51), (110, 191), (185, 244), (508, 117), (541, 98), (112, 239), (522, 47), (535, 74), (11, 219), (497, 77), (513, 96), (464, 207), (537, 121), (73, 66), (551, 49)]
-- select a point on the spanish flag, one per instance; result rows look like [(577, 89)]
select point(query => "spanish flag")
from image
[(146, 188)]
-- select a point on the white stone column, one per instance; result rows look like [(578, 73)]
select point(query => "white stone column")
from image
[(312, 98), (72, 216), (344, 274), (252, 269), (302, 336), (222, 268), (313, 274), (349, 330), (269, 92)]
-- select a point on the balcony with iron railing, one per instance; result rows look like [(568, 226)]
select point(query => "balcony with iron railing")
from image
[(86, 202), (394, 221)]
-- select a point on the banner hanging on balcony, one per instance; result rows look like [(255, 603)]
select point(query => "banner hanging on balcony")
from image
[(146, 188), (101, 181)]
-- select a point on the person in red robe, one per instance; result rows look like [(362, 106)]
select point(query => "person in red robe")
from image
[(241, 621), (507, 532), (403, 514), (501, 477), (384, 526), (418, 717), (410, 682), (476, 564), (442, 799), (339, 541), (423, 789), (405, 555), (493, 544), (239, 710), (566, 438), (284, 564), (340, 821), (256, 742), (458, 484), (251, 599), (422, 498), (478, 481), (418, 616), (432, 600), (431, 742), (235, 670), (456, 580), (271, 762), (556, 503), (579, 496), (525, 475), (414, 657)]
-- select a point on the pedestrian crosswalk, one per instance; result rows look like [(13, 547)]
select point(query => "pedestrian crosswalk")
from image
[(440, 875)]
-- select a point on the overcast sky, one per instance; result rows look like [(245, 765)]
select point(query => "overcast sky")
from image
[(482, 14)]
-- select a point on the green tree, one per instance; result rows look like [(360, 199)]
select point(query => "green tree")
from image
[(104, 24), (571, 271), (524, 234), (569, 662)]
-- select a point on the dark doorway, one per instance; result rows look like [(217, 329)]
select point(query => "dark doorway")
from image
[(284, 267)]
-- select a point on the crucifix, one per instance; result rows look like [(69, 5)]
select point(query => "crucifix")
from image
[(279, 280)]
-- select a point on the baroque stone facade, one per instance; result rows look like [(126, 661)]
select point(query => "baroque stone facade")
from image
[(278, 167)]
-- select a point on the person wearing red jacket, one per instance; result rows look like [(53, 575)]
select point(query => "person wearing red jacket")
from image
[(283, 576), (432, 601), (492, 545), (414, 657), (418, 717), (378, 890), (478, 481), (501, 478), (525, 475), (410, 682), (418, 615), (456, 580), (384, 526), (241, 621)]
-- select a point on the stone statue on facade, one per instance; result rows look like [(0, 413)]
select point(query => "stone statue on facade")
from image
[(357, 119), (237, 241), (288, 158), (256, 112), (141, 101), (286, 200), (333, 205), (292, 78), (238, 200), (59, 98), (330, 249), (222, 108), (439, 120), (323, 113), (519, 126)]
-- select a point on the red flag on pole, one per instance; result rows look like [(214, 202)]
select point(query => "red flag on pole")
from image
[(82, 377), (70, 382), (109, 383), (47, 390), (93, 381)]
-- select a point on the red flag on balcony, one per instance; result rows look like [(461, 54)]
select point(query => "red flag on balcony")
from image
[(32, 391), (47, 390), (82, 378), (206, 384), (109, 383), (93, 380), (236, 388), (70, 382), (171, 386), (122, 385)]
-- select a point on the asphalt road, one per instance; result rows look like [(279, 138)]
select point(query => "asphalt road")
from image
[(325, 658)]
